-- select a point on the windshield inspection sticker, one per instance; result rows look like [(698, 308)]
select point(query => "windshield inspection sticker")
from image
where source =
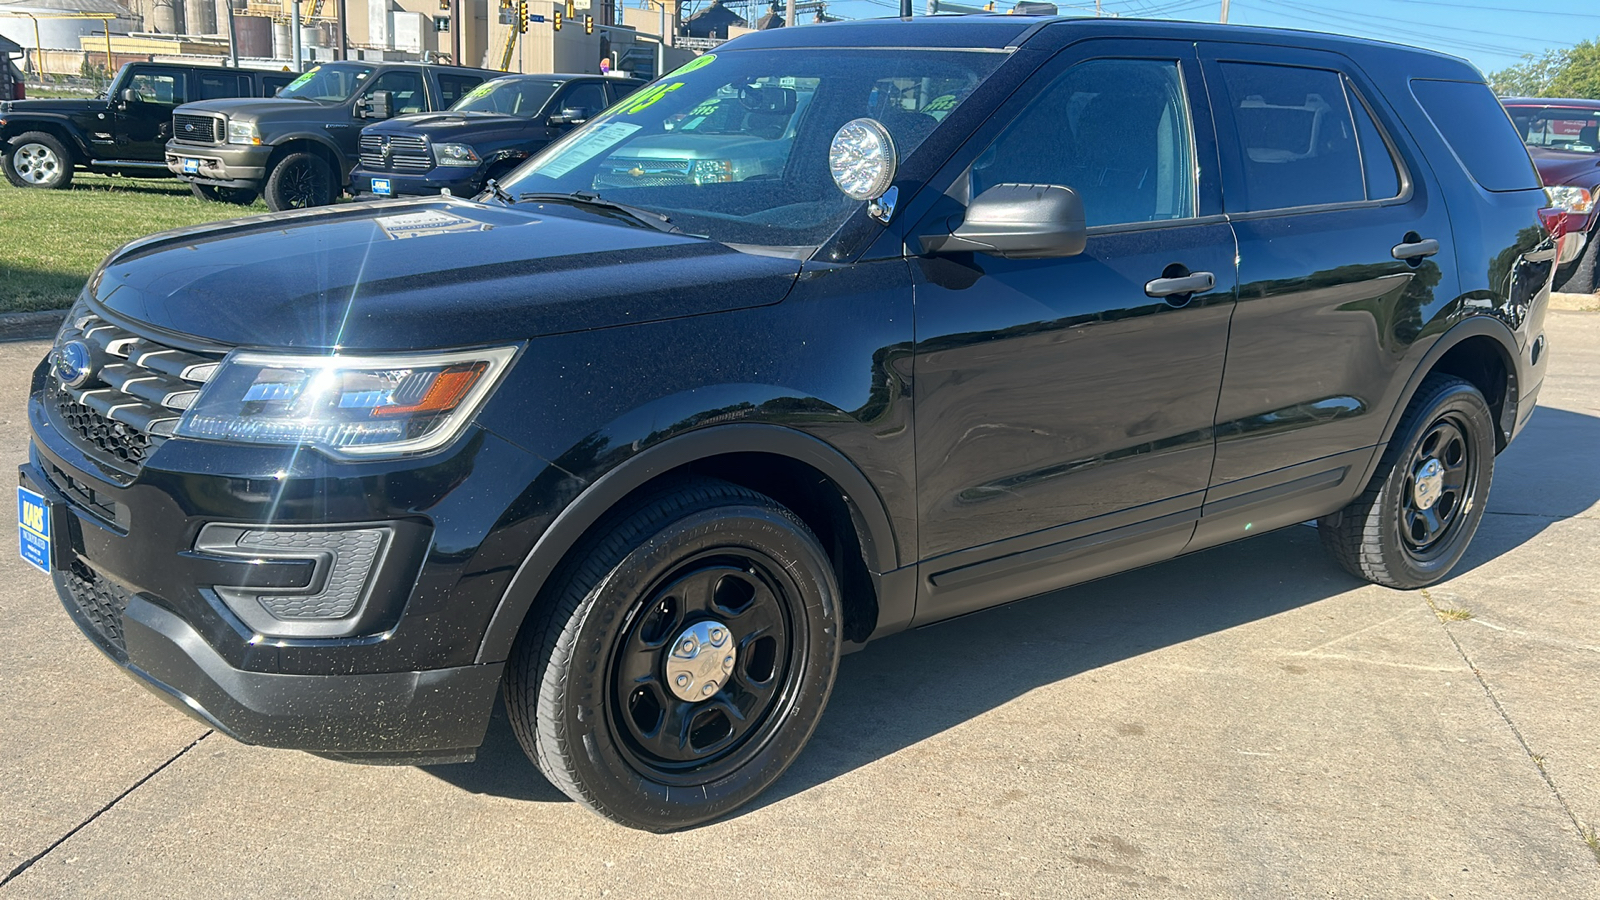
[(586, 145), (426, 222)]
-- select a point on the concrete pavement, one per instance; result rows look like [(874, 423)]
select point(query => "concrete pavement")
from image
[(1246, 722)]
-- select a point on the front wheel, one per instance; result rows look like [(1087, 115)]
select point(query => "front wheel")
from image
[(683, 660), (1413, 522), (299, 181), (38, 160)]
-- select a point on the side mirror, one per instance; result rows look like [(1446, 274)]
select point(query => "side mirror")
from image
[(572, 115), (1018, 221), (377, 105), (128, 96)]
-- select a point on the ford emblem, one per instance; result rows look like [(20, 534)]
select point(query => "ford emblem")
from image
[(74, 363), (189, 127)]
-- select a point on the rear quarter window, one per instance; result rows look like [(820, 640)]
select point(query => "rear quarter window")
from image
[(1476, 127)]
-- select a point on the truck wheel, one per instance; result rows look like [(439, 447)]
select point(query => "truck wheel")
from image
[(684, 659), (38, 160), (298, 181), (1416, 517), (238, 196), (1584, 276)]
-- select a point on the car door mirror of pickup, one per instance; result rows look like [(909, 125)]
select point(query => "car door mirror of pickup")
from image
[(376, 105), (572, 115), (1017, 221), (128, 95)]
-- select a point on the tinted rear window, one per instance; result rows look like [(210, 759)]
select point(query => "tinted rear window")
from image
[(1476, 127)]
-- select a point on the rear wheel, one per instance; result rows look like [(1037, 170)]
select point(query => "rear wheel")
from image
[(1584, 276), (38, 160), (238, 196), (299, 181), (684, 660), (1417, 516)]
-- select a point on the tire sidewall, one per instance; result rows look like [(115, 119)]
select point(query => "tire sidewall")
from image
[(274, 186), (1465, 402), (63, 156), (581, 705)]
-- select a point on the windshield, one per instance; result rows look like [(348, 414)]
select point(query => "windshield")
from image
[(734, 145), (333, 83), (1558, 127), (508, 96)]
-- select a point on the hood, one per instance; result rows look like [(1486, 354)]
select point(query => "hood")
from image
[(433, 273), (52, 105), (1557, 167), (442, 126), (259, 108)]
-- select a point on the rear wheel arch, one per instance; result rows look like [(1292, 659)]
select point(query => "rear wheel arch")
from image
[(810, 477), (1482, 351)]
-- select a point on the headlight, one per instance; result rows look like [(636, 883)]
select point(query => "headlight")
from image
[(243, 133), (1571, 199), (347, 406), (454, 155)]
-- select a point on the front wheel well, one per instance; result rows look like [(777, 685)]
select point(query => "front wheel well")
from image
[(306, 146), (1483, 361)]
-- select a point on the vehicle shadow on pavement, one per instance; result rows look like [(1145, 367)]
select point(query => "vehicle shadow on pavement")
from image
[(913, 686)]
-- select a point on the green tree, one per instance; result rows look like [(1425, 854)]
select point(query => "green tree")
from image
[(1580, 77), (1531, 77)]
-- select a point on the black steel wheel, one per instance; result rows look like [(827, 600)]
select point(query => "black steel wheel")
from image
[(1418, 514), (299, 181), (684, 658)]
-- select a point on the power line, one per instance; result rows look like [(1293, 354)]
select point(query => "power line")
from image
[(1325, 20), (1428, 26)]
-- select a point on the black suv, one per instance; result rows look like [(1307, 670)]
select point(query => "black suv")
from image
[(484, 135), (969, 309), (297, 149), (122, 133)]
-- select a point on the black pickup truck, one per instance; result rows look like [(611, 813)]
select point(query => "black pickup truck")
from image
[(297, 149), (124, 132)]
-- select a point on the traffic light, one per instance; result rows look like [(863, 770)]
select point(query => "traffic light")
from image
[(588, 24), (555, 21), (444, 5), (572, 9), (522, 16)]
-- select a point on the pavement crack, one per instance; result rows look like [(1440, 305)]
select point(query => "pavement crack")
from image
[(1585, 833), (28, 863)]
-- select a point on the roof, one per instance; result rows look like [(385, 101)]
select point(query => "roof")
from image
[(1550, 101), (7, 47)]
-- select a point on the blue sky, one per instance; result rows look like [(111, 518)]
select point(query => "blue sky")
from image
[(1491, 33)]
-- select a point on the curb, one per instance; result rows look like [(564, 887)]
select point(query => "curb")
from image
[(1575, 302), (30, 326)]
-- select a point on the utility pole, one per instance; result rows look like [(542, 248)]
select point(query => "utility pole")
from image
[(294, 40), (1224, 18), (788, 12)]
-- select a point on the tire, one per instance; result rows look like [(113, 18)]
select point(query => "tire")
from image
[(605, 706), (1398, 535), (237, 196), (299, 181), (1584, 276), (36, 159)]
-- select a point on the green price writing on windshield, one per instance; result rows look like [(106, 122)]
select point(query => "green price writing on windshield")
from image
[(303, 78)]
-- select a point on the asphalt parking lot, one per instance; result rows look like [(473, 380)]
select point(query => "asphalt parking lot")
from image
[(1246, 722)]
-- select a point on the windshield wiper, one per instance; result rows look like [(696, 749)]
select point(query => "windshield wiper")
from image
[(587, 198)]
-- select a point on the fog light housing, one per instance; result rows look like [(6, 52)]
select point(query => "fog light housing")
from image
[(300, 582)]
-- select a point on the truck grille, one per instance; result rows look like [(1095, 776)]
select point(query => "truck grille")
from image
[(624, 173), (100, 602), (395, 153), (132, 401), (189, 129)]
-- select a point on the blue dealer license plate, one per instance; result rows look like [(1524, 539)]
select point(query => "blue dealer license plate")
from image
[(381, 186), (33, 528), (191, 166)]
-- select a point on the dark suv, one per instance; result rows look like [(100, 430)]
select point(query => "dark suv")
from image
[(484, 135), (1563, 137), (1002, 304), (42, 142), (297, 149)]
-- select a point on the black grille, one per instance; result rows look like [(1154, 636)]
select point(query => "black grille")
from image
[(196, 129), (407, 153), (133, 397), (100, 602)]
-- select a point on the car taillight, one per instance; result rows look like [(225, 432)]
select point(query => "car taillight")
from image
[(1554, 220)]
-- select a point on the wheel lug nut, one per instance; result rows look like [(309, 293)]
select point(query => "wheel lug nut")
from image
[(709, 689), (683, 681), (716, 635), (727, 663)]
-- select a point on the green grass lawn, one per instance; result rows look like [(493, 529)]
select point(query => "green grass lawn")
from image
[(50, 241)]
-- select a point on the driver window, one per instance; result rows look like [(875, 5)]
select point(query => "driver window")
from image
[(407, 90), (165, 88), (1116, 131), (588, 96)]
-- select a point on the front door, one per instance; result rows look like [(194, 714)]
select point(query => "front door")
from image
[(144, 113), (1064, 407), (1345, 250)]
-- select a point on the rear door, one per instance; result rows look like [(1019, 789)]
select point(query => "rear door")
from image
[(1345, 250), (1063, 407)]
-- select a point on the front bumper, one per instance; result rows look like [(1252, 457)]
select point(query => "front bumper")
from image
[(220, 165), (459, 180)]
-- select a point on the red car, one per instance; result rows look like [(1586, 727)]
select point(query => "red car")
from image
[(1563, 137)]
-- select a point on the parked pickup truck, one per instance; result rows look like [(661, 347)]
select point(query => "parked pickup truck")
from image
[(484, 135), (297, 149), (1563, 137), (124, 132)]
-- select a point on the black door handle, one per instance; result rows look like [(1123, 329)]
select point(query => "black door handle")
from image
[(1415, 249), (1192, 283)]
